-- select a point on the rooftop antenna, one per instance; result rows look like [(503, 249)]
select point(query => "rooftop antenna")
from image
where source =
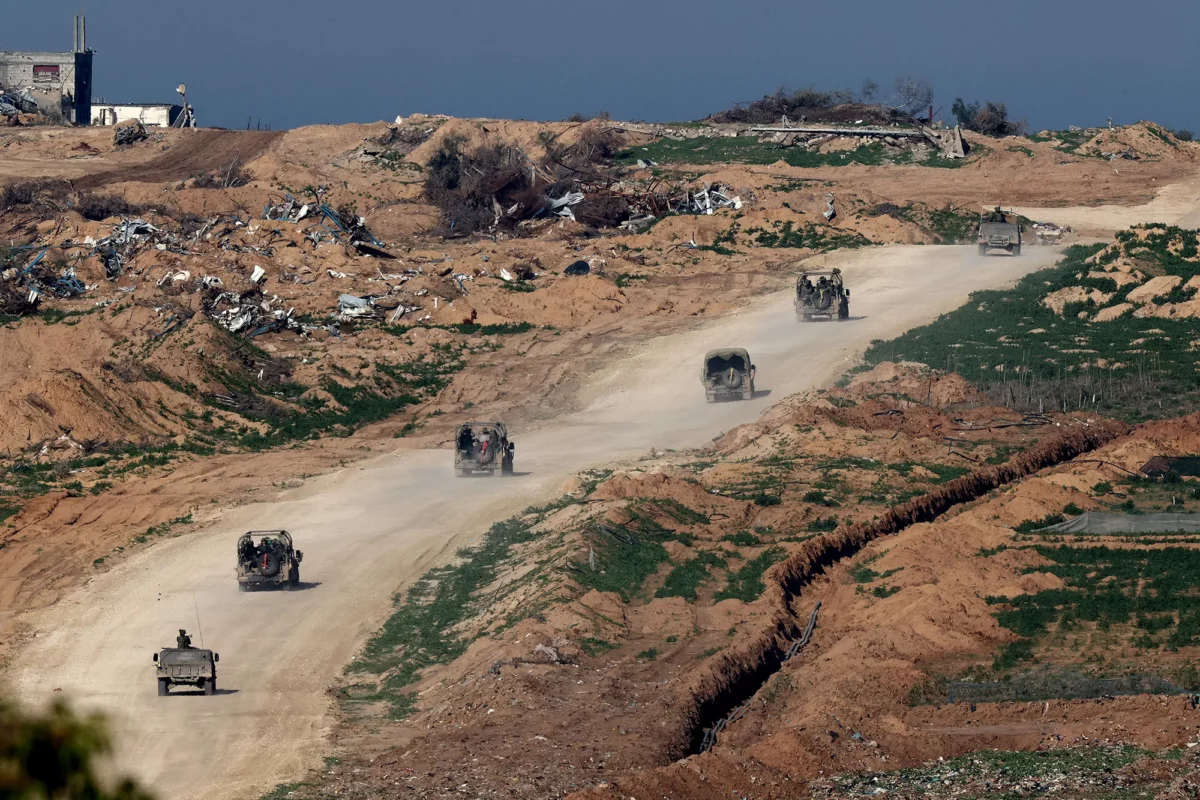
[(186, 119)]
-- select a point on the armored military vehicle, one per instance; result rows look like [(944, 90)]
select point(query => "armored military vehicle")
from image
[(727, 373), (267, 559), (821, 293), (483, 447), (997, 232), (186, 666)]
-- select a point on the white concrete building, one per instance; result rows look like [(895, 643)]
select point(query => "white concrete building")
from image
[(152, 115)]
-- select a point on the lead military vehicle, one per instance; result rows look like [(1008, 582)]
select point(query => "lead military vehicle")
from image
[(185, 665), (997, 232)]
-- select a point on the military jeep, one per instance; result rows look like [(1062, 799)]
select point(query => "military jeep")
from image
[(483, 447), (267, 559), (996, 232), (186, 666), (821, 293), (727, 373)]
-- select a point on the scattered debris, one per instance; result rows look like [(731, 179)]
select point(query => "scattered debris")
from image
[(578, 268), (129, 132)]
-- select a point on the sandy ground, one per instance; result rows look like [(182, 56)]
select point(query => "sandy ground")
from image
[(1176, 204), (369, 530)]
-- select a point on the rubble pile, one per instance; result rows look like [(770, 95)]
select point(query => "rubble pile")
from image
[(1089, 768)]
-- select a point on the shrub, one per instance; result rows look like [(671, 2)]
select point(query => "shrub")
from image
[(990, 120), (99, 207), (230, 178), (1183, 135), (466, 185)]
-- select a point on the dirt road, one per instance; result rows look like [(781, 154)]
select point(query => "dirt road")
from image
[(369, 530)]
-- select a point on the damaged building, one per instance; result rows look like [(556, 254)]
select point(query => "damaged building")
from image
[(152, 115), (60, 83)]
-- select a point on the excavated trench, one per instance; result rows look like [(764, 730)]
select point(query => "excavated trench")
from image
[(738, 677)]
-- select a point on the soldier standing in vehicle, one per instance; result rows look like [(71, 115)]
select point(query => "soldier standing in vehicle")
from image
[(183, 641)]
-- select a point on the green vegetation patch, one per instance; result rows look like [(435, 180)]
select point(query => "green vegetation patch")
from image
[(822, 238), (746, 583), (684, 580), (420, 632), (1024, 355), (1158, 590), (752, 150)]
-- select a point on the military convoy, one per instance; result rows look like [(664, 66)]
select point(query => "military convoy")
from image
[(267, 559), (821, 293), (996, 232), (727, 374), (184, 665), (483, 447)]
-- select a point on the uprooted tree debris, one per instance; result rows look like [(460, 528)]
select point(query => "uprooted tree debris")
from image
[(499, 188)]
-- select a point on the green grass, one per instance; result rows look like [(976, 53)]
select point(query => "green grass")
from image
[(822, 524), (1158, 589), (595, 647), (751, 150), (649, 654), (1068, 141), (821, 238), (630, 554), (1031, 525), (746, 583), (742, 539), (420, 631), (685, 579), (864, 574), (1024, 355)]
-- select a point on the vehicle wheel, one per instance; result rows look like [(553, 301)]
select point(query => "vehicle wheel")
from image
[(210, 686), (294, 576), (844, 310), (808, 317), (460, 473), (506, 466), (710, 398), (241, 587), (983, 249), (1016, 251), (164, 687)]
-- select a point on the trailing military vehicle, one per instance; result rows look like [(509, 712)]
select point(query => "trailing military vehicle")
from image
[(267, 559), (821, 293), (483, 447), (185, 665), (727, 373), (997, 232)]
